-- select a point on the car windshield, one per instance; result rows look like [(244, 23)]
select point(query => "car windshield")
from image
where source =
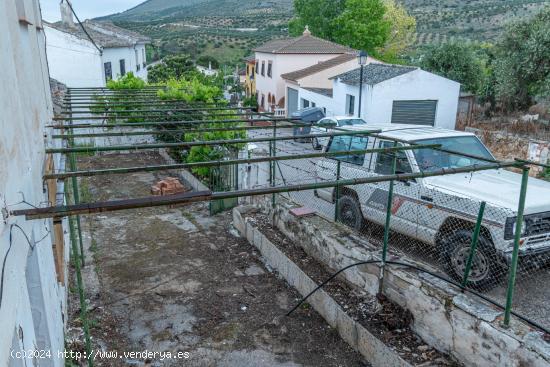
[(351, 122), (430, 160)]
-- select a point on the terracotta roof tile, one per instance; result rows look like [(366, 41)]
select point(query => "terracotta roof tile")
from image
[(324, 65), (305, 44)]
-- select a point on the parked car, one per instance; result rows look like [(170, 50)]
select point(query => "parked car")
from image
[(441, 211), (307, 117), (328, 124)]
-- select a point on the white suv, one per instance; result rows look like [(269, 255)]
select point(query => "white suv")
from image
[(440, 211)]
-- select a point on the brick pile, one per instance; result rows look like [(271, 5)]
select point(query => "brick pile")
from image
[(168, 186)]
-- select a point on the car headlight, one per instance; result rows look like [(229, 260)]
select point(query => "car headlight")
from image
[(510, 228)]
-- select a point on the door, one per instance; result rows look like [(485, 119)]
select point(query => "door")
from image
[(406, 194), (292, 101), (414, 112), (351, 165)]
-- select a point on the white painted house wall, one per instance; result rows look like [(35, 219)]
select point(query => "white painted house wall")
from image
[(73, 61), (33, 305), (377, 100), (320, 101), (76, 62), (416, 85), (282, 64), (114, 55)]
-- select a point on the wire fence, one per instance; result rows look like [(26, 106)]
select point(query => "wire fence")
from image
[(461, 226)]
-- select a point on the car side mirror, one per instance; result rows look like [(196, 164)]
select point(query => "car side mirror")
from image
[(406, 181)]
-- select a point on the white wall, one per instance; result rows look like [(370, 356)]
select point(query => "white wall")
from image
[(33, 303), (282, 64), (114, 55), (319, 100), (73, 61), (417, 85)]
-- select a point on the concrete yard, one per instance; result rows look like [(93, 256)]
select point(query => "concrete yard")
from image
[(177, 279)]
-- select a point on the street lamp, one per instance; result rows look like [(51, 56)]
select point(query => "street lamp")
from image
[(362, 60)]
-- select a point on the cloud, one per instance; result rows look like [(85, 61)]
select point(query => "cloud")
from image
[(86, 9)]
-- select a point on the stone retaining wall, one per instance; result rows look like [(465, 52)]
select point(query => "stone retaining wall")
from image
[(452, 322)]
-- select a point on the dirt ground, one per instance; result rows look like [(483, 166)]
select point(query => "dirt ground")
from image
[(177, 279)]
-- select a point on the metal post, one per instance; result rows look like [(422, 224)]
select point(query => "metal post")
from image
[(360, 90), (337, 199), (272, 167), (517, 238), (387, 223), (76, 194), (80, 285), (473, 246)]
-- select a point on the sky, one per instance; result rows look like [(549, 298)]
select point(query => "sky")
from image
[(86, 9)]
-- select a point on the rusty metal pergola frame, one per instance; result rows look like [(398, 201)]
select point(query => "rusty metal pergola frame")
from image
[(178, 118)]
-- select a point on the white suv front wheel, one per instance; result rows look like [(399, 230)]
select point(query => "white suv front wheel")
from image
[(486, 270)]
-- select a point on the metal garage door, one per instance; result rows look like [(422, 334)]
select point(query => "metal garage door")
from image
[(292, 100), (414, 112)]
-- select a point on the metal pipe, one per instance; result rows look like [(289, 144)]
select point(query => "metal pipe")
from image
[(337, 198), (79, 282), (473, 246), (389, 205), (195, 143), (167, 122), (532, 163), (170, 109), (166, 167), (164, 117), (149, 102), (162, 132), (153, 201), (515, 252)]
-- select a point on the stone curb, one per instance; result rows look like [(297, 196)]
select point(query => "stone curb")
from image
[(357, 336)]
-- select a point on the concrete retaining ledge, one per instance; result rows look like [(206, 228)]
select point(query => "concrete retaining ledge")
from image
[(457, 324), (357, 336)]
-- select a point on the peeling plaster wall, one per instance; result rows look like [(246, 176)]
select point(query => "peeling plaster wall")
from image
[(33, 304), (450, 321)]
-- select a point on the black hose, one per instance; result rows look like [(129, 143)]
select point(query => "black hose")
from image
[(523, 318)]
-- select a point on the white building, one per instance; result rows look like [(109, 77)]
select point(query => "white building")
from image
[(279, 57), (32, 261), (316, 79), (78, 62), (391, 94)]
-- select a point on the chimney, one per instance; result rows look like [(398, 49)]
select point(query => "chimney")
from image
[(66, 14), (307, 31)]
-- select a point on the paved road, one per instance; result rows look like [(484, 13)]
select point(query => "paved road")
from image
[(532, 293)]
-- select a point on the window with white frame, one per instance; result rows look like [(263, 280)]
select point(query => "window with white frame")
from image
[(270, 69), (263, 68)]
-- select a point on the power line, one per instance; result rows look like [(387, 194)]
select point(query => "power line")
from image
[(82, 26)]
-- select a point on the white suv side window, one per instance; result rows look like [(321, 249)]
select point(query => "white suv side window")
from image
[(384, 161), (347, 143)]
